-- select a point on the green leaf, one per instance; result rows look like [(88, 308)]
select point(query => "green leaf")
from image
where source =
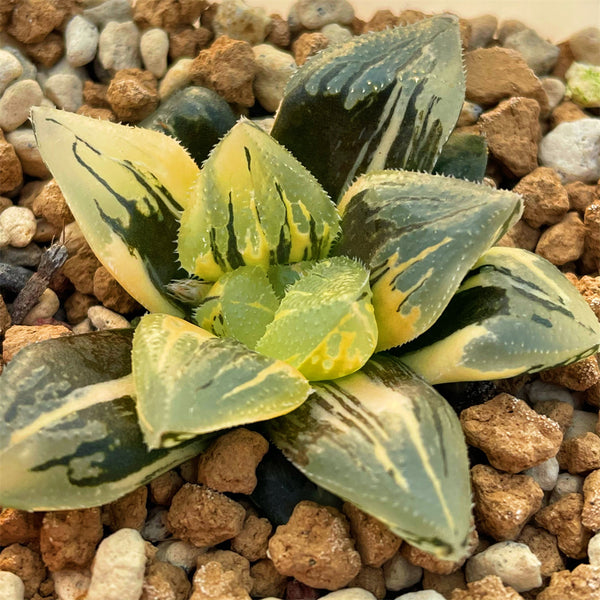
[(126, 188), (514, 313), (69, 435), (463, 156), (324, 326), (383, 100), (390, 444), (240, 305), (419, 235), (254, 204), (283, 276), (189, 381)]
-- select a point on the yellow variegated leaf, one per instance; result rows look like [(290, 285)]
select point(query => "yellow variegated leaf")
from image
[(126, 188)]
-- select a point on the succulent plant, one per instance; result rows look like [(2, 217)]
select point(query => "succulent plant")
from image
[(325, 321)]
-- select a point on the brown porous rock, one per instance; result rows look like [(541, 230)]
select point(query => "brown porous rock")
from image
[(563, 519), (51, 205), (370, 579), (503, 502), (545, 199), (315, 547), (578, 376), (557, 410), (167, 14), (229, 464), (47, 52), (266, 580), (488, 588), (566, 112), (280, 34), (222, 575), (104, 114), (76, 306), (590, 514), (128, 512), (26, 564), (545, 546), (583, 583), (564, 242), (382, 19), (19, 336), (444, 584), (164, 581), (589, 288), (11, 172), (80, 269), (494, 74), (581, 195), (18, 526), (227, 67), (133, 95), (307, 45), (32, 20), (252, 541), (109, 291), (204, 517), (580, 454), (513, 436), (187, 41), (591, 220), (512, 130), (68, 538), (5, 321), (564, 61), (374, 541), (164, 487), (520, 235), (94, 94)]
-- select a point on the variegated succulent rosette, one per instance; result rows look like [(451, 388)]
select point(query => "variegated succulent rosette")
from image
[(317, 280)]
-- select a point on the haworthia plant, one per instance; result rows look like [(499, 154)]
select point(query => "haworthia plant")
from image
[(385, 100), (419, 234), (513, 313), (388, 442), (69, 433)]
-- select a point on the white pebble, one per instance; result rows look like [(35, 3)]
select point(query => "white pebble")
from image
[(400, 574), (118, 569), (545, 474), (349, 594), (275, 68), (514, 563), (118, 47), (422, 595), (314, 14), (20, 225), (555, 90), (176, 78), (16, 102), (154, 47), (84, 326), (238, 20), (179, 553), (540, 391), (566, 484), (23, 141), (104, 318), (4, 238), (572, 149), (111, 10), (10, 69), (11, 586), (582, 422), (71, 584), (593, 550), (155, 528), (336, 34), (65, 90), (81, 41), (46, 307)]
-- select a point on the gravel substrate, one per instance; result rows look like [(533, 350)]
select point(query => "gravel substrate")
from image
[(197, 532)]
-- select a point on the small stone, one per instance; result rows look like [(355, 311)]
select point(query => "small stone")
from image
[(545, 474), (81, 41), (18, 526), (434, 564), (375, 542), (13, 278), (422, 595), (251, 542), (108, 10), (5, 323), (275, 67), (65, 90), (370, 579), (508, 28), (103, 318), (503, 503), (167, 14), (108, 290), (16, 103), (563, 519), (129, 511), (520, 235), (80, 269), (227, 67), (45, 308), (580, 454), (307, 45), (204, 517), (234, 566), (353, 593), (566, 112), (314, 14), (515, 564), (94, 94), (566, 484), (77, 305), (104, 114), (68, 538), (50, 204), (23, 141), (539, 54), (118, 46), (589, 288), (488, 588), (444, 584), (494, 74), (563, 242), (179, 553), (545, 547), (400, 574), (33, 20), (513, 436), (469, 114), (240, 21), (315, 547), (10, 69), (163, 581), (583, 84), (11, 586), (266, 580), (585, 45), (229, 464), (483, 29), (11, 172), (176, 78), (582, 422), (578, 376), (164, 487), (590, 514), (381, 20), (582, 583), (156, 529), (581, 195), (19, 224), (336, 34), (154, 48), (133, 95), (29, 256), (19, 336), (279, 34), (555, 90), (213, 581), (25, 564), (573, 150), (188, 41)]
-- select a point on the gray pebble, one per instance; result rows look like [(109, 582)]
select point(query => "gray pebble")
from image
[(483, 29), (81, 41), (539, 54), (26, 148), (336, 34), (110, 10), (469, 114), (12, 278), (555, 90), (154, 47), (16, 102), (422, 595), (582, 422), (179, 553), (400, 574), (275, 67), (314, 14), (66, 91), (542, 391), (104, 318), (509, 27), (155, 528), (572, 149), (21, 257), (585, 45), (10, 69), (566, 484), (118, 47), (545, 474)]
